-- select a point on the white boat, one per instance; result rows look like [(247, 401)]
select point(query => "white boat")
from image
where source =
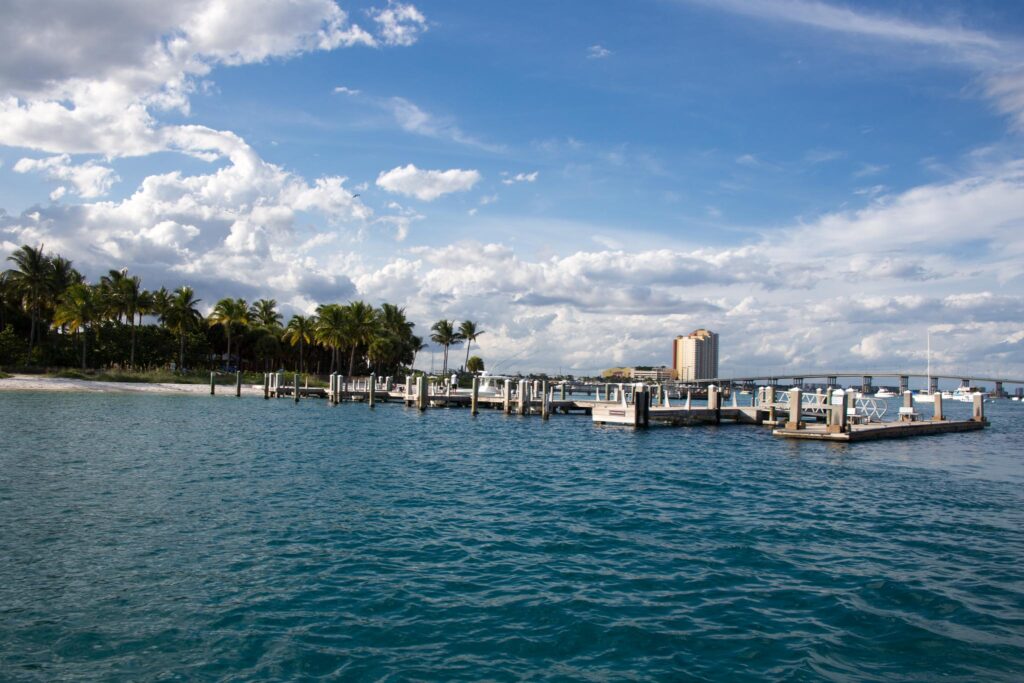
[(965, 395), (884, 393), (490, 385), (1015, 398)]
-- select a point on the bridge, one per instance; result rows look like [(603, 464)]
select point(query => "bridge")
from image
[(867, 378)]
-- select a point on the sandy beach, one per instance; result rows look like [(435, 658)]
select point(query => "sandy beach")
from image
[(36, 383)]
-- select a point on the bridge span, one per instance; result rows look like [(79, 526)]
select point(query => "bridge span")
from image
[(867, 378)]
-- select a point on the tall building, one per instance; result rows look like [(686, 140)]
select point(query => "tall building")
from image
[(695, 356)]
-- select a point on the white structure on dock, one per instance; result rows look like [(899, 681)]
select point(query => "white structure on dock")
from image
[(695, 356)]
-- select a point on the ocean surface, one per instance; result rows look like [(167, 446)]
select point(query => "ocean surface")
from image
[(195, 538)]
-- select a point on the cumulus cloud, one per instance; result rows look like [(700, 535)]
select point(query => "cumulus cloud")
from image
[(520, 178), (598, 52), (399, 24), (90, 179), (426, 185)]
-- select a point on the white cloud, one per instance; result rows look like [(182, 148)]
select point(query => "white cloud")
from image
[(521, 178), (598, 52), (342, 90), (427, 185), (413, 119), (89, 79), (89, 179), (399, 24), (748, 160)]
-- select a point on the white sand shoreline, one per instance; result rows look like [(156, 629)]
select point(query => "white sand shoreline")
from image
[(57, 384)]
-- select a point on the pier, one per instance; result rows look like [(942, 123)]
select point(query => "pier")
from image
[(830, 415)]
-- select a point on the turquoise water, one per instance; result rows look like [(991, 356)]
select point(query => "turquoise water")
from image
[(198, 538)]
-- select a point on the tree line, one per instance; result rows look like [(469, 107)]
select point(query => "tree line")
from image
[(51, 316)]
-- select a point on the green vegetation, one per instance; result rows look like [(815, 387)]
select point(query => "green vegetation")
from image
[(4, 375), (115, 330)]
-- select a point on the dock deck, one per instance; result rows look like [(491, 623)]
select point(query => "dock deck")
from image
[(881, 430)]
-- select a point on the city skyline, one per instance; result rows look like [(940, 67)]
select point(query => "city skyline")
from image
[(820, 183)]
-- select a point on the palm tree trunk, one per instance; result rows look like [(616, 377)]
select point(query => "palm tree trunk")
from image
[(85, 340), (229, 346), (131, 359), (352, 361), (466, 366), (181, 353)]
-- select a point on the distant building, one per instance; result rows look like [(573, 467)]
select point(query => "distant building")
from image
[(695, 356), (662, 374)]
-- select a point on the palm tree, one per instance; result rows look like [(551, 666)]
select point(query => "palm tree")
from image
[(445, 335), (362, 327), (77, 310), (265, 313), (161, 301), (133, 298), (112, 288), (300, 332), (228, 313), (6, 298), (416, 344), (31, 280), (468, 331), (180, 315), (332, 329)]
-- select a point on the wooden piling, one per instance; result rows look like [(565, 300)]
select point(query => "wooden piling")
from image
[(769, 399), (715, 402), (212, 375), (474, 396), (371, 389), (296, 385), (238, 384), (544, 406), (266, 386), (938, 417), (795, 408), (422, 399), (506, 397), (524, 401), (978, 405)]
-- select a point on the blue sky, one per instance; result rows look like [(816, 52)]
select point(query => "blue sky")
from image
[(823, 183)]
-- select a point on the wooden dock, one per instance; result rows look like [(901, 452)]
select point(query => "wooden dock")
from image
[(881, 430), (835, 416)]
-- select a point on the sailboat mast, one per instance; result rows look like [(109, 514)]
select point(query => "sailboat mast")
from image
[(929, 388)]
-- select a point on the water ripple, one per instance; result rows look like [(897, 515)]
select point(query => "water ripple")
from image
[(179, 538)]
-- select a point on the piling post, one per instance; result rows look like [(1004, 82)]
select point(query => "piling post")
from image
[(371, 389), (421, 393), (238, 384), (561, 392), (408, 387), (296, 387), (735, 397), (211, 384), (277, 384), (689, 396), (978, 413), (829, 393), (769, 399), (544, 405), (266, 386), (837, 411), (524, 401), (715, 402), (938, 417), (474, 395), (907, 410), (795, 408), (506, 397)]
